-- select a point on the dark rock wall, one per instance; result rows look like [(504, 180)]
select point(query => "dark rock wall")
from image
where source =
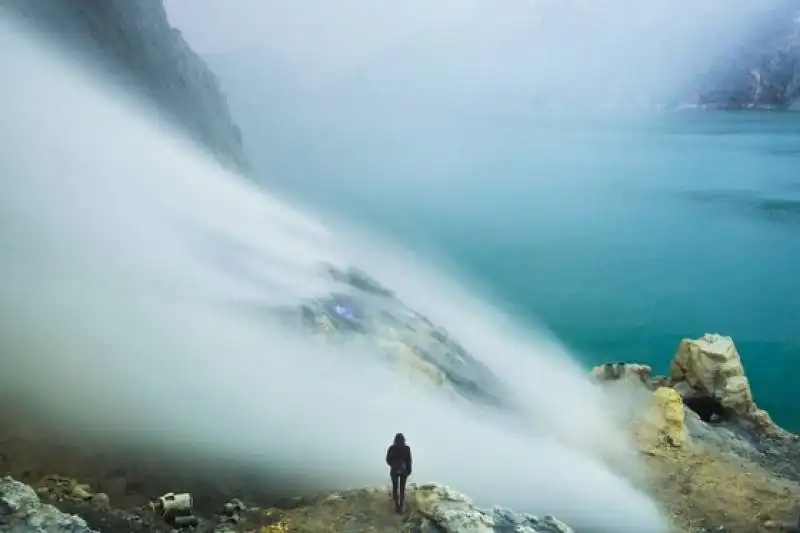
[(762, 71), (134, 40)]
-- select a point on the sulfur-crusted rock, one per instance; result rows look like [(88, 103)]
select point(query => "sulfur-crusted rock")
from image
[(667, 415), (362, 314), (414, 366), (712, 368)]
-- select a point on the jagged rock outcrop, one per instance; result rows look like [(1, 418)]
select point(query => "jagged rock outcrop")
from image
[(714, 466), (135, 42), (453, 512), (21, 511), (709, 371), (762, 73), (361, 313)]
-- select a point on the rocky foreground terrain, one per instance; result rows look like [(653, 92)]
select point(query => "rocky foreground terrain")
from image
[(716, 462)]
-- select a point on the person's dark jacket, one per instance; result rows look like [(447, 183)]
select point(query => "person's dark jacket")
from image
[(398, 457)]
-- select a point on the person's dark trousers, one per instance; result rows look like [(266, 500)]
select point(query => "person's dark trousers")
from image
[(398, 491)]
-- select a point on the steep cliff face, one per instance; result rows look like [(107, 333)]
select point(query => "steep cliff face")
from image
[(762, 72), (135, 41)]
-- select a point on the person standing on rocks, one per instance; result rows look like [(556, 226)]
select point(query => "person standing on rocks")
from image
[(398, 457)]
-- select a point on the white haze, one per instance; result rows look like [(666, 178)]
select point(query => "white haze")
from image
[(118, 317), (422, 108), (455, 54)]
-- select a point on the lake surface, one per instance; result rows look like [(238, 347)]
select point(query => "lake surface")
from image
[(621, 236)]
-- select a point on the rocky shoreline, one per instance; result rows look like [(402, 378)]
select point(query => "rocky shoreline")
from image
[(716, 462)]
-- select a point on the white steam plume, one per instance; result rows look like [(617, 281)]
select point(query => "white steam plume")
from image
[(116, 291)]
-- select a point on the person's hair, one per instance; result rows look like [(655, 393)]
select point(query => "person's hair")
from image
[(399, 438)]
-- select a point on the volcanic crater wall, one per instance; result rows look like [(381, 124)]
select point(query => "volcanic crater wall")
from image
[(134, 40)]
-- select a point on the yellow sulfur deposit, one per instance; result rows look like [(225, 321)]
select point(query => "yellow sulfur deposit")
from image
[(666, 413)]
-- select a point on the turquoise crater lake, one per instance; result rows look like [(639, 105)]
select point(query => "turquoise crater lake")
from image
[(620, 236)]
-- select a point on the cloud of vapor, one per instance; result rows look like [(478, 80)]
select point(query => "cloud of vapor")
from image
[(118, 290), (458, 53), (414, 107)]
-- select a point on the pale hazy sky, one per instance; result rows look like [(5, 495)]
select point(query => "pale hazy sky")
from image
[(327, 40), (522, 43), (220, 25)]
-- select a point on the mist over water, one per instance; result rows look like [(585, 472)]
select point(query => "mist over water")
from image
[(457, 54), (130, 266), (415, 109)]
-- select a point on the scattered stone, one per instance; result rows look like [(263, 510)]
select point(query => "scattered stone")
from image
[(335, 497), (101, 499), (185, 521), (228, 509), (81, 492), (617, 371)]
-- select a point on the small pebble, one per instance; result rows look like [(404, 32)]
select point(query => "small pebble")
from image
[(185, 521), (229, 509), (101, 499), (81, 492)]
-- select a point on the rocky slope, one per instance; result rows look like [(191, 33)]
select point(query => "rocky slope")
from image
[(134, 41), (763, 72), (715, 459)]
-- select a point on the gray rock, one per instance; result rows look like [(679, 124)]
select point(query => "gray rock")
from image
[(361, 312), (21, 511), (762, 72), (779, 455), (101, 499), (135, 42), (506, 521), (452, 512)]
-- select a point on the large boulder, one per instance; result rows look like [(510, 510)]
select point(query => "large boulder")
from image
[(709, 370), (453, 512), (22, 511)]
